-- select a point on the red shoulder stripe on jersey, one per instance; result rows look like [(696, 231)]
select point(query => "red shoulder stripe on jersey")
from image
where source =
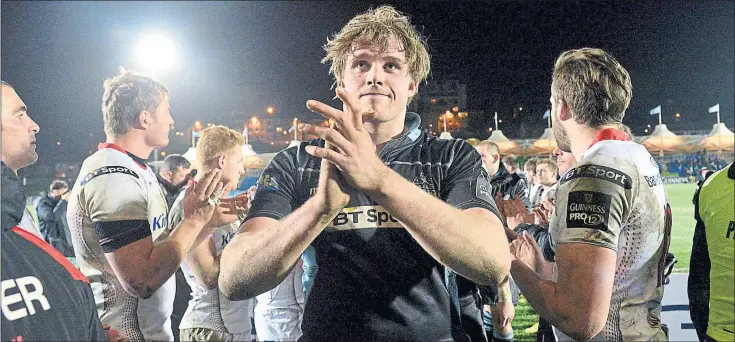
[(117, 147), (75, 273), (610, 134)]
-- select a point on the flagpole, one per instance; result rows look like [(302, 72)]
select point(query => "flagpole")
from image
[(496, 121), (548, 120), (718, 115), (445, 121), (659, 117)]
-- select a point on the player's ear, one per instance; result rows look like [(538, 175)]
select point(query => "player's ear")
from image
[(221, 162), (143, 119)]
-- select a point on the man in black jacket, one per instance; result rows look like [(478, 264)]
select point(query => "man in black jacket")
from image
[(45, 298), (507, 183), (173, 175), (51, 215)]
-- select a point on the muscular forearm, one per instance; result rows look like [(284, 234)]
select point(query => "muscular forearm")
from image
[(165, 258), (474, 246), (540, 293), (203, 263), (270, 253)]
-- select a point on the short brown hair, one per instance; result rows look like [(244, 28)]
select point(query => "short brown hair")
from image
[(376, 28), (216, 141), (530, 164), (593, 84), (125, 96), (548, 162), (510, 161)]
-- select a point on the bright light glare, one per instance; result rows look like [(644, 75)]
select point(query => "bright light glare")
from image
[(156, 52)]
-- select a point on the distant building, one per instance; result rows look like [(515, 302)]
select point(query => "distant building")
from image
[(439, 98)]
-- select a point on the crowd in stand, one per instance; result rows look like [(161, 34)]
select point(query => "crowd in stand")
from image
[(688, 165)]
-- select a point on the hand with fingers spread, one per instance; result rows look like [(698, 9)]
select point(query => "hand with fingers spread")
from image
[(200, 195), (515, 212), (354, 150)]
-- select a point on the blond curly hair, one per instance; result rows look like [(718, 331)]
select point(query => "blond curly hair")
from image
[(375, 28)]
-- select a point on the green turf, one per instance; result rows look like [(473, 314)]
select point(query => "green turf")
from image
[(682, 231)]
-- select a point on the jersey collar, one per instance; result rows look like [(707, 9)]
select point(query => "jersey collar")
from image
[(409, 136), (610, 134), (140, 161)]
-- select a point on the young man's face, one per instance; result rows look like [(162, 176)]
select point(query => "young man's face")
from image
[(232, 168), (545, 175), (159, 124), (381, 80), (18, 132)]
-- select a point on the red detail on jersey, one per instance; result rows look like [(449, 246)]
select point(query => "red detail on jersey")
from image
[(610, 134), (75, 273), (117, 147)]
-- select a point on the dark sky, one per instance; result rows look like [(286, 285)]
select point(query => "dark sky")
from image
[(240, 57)]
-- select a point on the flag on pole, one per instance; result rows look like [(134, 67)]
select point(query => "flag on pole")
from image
[(547, 113), (656, 110), (245, 132), (293, 127), (715, 108)]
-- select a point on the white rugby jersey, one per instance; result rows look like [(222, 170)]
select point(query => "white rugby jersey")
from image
[(614, 198), (113, 187), (208, 308)]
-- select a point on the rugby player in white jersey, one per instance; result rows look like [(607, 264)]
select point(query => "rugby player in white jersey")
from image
[(611, 223), (210, 316), (118, 215)]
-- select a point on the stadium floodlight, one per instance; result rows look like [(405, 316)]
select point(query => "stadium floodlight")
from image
[(156, 52)]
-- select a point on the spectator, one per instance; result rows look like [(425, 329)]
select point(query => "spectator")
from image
[(50, 222), (173, 175), (546, 172), (530, 168)]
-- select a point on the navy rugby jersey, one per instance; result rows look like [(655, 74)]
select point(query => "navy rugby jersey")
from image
[(375, 282)]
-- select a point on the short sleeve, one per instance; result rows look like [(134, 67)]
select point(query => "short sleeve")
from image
[(466, 184), (117, 204), (592, 202), (114, 196), (275, 194)]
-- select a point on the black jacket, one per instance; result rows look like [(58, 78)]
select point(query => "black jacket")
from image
[(63, 307), (53, 226), (510, 184), (170, 191), (46, 219)]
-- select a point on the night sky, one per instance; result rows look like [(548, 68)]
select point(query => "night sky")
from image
[(237, 58)]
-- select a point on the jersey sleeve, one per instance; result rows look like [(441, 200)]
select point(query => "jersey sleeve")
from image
[(276, 193), (466, 185), (117, 205), (592, 202)]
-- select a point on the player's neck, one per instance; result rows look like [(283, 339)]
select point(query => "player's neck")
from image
[(581, 137), (382, 132), (133, 143)]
